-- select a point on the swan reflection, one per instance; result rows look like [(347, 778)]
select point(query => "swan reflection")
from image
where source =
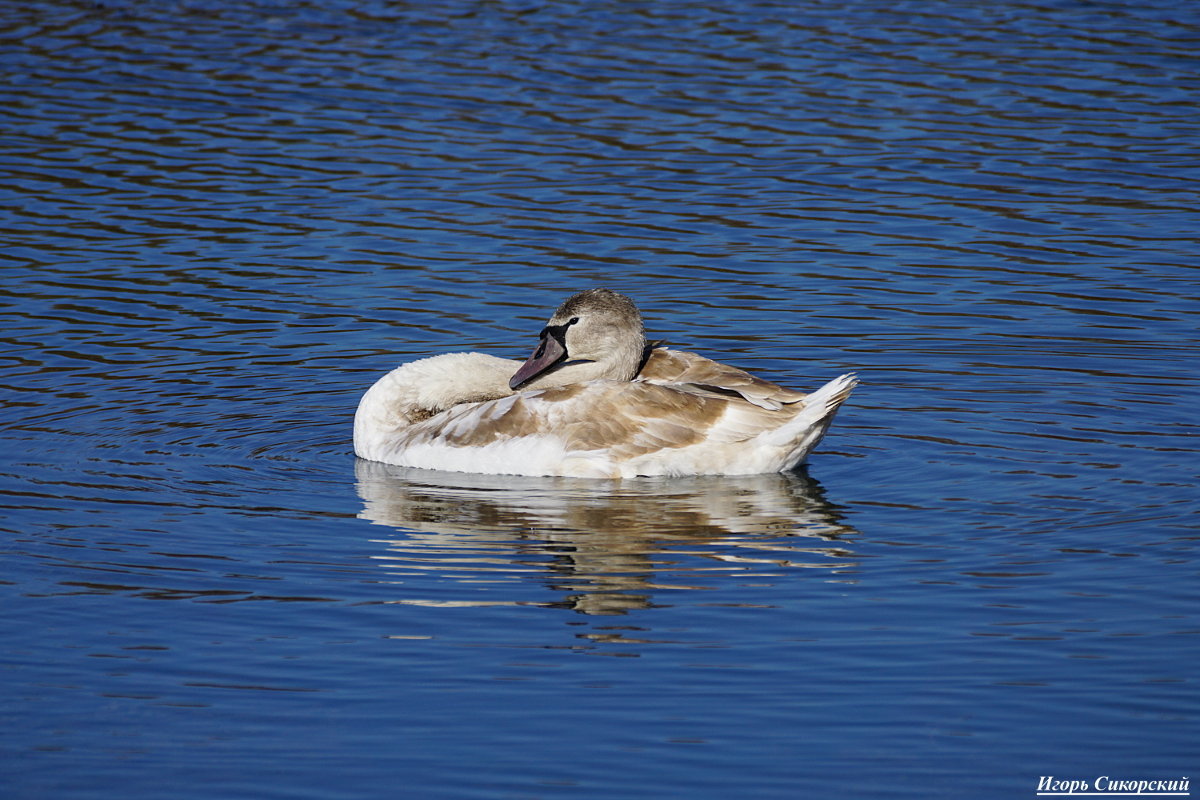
[(599, 547)]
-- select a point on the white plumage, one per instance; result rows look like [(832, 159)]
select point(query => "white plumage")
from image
[(594, 400)]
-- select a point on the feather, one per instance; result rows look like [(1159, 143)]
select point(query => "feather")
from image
[(593, 401)]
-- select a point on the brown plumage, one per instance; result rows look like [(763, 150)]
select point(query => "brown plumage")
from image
[(593, 400)]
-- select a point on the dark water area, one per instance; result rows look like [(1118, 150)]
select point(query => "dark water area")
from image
[(222, 221)]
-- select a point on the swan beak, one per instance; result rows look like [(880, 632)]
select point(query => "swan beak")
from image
[(549, 352)]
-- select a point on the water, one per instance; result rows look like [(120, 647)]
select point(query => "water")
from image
[(222, 221)]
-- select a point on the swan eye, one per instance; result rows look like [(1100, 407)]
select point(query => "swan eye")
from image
[(573, 320)]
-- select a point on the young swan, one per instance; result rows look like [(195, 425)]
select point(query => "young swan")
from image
[(594, 400)]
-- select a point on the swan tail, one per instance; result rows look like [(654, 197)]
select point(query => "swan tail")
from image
[(832, 394), (804, 431)]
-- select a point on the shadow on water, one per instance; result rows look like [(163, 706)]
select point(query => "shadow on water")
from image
[(605, 548)]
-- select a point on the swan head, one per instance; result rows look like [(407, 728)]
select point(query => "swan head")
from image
[(595, 334)]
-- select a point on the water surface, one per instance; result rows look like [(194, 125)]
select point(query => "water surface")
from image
[(223, 221)]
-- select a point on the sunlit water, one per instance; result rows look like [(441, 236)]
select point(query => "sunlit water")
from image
[(222, 221)]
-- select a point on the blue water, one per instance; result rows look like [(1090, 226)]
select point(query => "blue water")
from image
[(222, 221)]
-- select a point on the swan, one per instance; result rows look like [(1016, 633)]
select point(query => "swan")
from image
[(594, 400)]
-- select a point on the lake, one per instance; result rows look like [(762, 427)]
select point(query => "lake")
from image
[(223, 221)]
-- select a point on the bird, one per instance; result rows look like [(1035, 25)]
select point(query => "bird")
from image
[(594, 400)]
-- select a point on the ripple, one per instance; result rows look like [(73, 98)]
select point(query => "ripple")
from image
[(224, 220)]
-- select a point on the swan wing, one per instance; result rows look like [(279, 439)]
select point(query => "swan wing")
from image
[(597, 429), (664, 366)]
